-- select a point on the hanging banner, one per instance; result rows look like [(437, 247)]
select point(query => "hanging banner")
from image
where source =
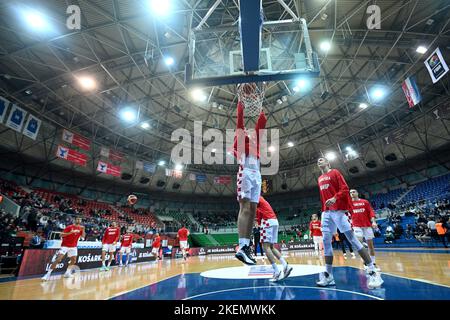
[(411, 91), (108, 168), (32, 127), (222, 179), (197, 177), (111, 154), (436, 65), (4, 103), (178, 174), (396, 137), (442, 112), (71, 155), (76, 140), (16, 118), (139, 165), (149, 167)]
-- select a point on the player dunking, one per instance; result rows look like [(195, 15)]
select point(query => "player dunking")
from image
[(70, 237), (109, 242), (248, 180), (363, 220), (125, 247), (267, 219), (315, 230), (335, 198), (182, 236)]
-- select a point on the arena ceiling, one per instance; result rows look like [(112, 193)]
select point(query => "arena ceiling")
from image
[(122, 46)]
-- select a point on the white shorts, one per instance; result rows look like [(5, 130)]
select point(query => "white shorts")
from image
[(125, 249), (364, 232), (155, 250), (109, 247), (184, 244), (332, 220), (248, 184), (317, 239), (71, 252), (269, 231)]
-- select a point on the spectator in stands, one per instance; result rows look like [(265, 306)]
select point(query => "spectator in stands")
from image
[(398, 230), (389, 235), (442, 231), (422, 219), (32, 220)]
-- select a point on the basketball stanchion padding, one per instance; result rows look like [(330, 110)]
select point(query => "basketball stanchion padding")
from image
[(252, 96)]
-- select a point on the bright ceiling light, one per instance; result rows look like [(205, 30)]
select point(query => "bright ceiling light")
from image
[(325, 46), (301, 85), (160, 7), (178, 167), (363, 105), (272, 148), (378, 93), (330, 156), (169, 61), (421, 49), (128, 114), (145, 125), (87, 83), (161, 163), (214, 150), (35, 20), (290, 144), (198, 95)]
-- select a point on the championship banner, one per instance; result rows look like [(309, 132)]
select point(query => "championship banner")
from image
[(222, 179), (192, 177), (436, 65), (149, 167), (4, 103), (111, 154), (32, 127), (442, 112), (108, 168), (76, 140), (174, 173), (197, 177), (71, 155), (411, 91), (396, 137), (16, 118)]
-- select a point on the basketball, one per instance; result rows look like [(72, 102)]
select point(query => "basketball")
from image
[(132, 199)]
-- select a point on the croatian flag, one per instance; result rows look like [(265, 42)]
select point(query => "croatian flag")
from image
[(411, 91)]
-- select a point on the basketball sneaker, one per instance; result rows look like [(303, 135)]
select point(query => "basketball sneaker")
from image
[(353, 255), (345, 256), (46, 277), (287, 271), (325, 280), (374, 280), (68, 275), (245, 255), (103, 268), (376, 268), (277, 276)]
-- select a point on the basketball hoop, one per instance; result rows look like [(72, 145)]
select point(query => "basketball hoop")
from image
[(252, 96)]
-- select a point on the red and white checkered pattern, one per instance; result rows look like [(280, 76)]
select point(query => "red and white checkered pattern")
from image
[(269, 231)]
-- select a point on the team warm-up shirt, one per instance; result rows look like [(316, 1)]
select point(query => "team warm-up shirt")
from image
[(127, 239), (260, 124), (183, 234), (264, 211), (111, 235), (332, 184), (71, 240), (361, 213), (314, 228), (156, 242)]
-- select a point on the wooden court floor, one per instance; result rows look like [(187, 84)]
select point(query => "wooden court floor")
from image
[(422, 265)]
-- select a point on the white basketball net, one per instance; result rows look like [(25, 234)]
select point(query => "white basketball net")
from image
[(252, 99)]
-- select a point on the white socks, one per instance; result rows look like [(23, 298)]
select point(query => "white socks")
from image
[(329, 269), (373, 259), (275, 268), (243, 242), (283, 262)]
